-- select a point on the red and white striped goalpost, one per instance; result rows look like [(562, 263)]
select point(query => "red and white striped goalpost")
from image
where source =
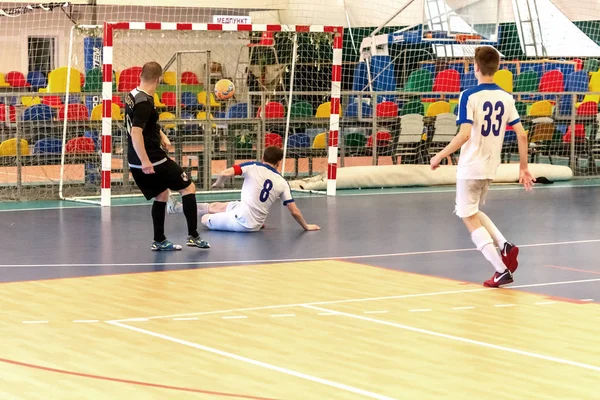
[(107, 61)]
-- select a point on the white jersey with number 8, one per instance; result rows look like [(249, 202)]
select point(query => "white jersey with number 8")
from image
[(490, 110)]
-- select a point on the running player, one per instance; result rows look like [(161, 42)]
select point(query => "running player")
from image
[(153, 171), (263, 185), (483, 114)]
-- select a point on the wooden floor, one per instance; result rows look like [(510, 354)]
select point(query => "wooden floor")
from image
[(315, 330)]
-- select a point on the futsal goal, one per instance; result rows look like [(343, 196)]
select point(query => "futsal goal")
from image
[(279, 90)]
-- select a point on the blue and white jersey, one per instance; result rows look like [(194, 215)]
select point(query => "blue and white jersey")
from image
[(489, 109), (262, 186)]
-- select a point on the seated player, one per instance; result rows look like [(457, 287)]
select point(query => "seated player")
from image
[(263, 185), (483, 114)]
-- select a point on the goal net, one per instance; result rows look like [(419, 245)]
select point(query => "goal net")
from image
[(279, 91)]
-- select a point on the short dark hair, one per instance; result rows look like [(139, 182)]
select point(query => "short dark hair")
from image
[(151, 71), (273, 155), (488, 60)]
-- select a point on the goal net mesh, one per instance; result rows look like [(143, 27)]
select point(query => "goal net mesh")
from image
[(404, 65)]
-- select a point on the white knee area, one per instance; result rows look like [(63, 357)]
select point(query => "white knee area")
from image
[(204, 220), (202, 208), (481, 238)]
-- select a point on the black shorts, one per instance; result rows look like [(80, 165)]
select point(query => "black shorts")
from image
[(168, 175)]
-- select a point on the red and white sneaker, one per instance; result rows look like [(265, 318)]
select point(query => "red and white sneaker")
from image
[(499, 279), (509, 254)]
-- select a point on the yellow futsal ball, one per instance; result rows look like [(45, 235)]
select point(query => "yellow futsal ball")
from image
[(224, 89)]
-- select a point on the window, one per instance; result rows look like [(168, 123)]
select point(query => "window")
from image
[(40, 54)]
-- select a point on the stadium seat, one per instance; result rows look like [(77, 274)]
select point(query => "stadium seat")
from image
[(169, 99), (30, 100), (48, 146), (588, 108), (324, 110), (439, 107), (384, 140), (165, 116), (80, 145), (116, 114), (52, 101), (213, 101), (591, 65), (74, 112), (413, 107), (521, 108), (444, 128), (202, 116), (157, 102), (273, 139), (526, 81), (116, 99), (299, 140), (577, 82), (3, 82), (243, 142), (354, 142), (273, 110), (301, 109), (57, 81), (468, 80), (129, 79), (12, 113), (9, 147), (387, 109), (411, 134), (447, 81), (93, 81), (190, 100), (320, 141), (239, 110), (351, 110), (594, 86), (38, 112), (419, 80), (552, 81), (170, 78), (541, 109), (16, 79), (189, 78), (37, 80), (504, 79), (578, 64)]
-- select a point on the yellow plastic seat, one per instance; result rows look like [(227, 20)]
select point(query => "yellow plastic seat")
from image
[(320, 141), (202, 116), (165, 116), (541, 109), (324, 110), (116, 114), (170, 78), (213, 101), (30, 101), (57, 81), (9, 147), (3, 83), (157, 102), (437, 108), (504, 79)]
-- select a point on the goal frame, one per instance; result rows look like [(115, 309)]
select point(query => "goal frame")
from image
[(107, 61)]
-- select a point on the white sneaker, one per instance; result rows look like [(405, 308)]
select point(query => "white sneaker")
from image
[(174, 206)]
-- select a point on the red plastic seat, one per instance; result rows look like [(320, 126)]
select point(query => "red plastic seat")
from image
[(129, 79), (169, 99), (273, 139), (12, 112), (80, 145), (447, 81), (552, 81), (383, 139), (273, 110), (52, 101), (387, 109), (117, 100), (578, 64), (588, 108), (16, 79), (189, 78), (75, 112)]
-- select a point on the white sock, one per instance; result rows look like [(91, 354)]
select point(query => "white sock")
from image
[(482, 239), (499, 239), (202, 209)]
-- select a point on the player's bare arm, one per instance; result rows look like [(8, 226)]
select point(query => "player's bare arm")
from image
[(164, 140), (295, 211), (525, 177), (137, 138), (461, 138)]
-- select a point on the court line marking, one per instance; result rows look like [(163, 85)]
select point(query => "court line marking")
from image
[(282, 315), (504, 305), (356, 300), (287, 260), (543, 303), (376, 312), (587, 300), (84, 321), (461, 339), (463, 308), (258, 363), (35, 322), (234, 317), (421, 310)]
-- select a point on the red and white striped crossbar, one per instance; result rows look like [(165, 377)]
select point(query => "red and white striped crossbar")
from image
[(107, 61)]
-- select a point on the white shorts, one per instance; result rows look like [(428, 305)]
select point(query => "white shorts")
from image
[(233, 219), (470, 193)]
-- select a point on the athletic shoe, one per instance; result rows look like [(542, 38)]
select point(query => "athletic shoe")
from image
[(165, 245), (499, 279), (197, 242), (174, 206), (509, 254)]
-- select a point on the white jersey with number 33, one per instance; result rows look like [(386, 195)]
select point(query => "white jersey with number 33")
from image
[(263, 185), (489, 109)]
